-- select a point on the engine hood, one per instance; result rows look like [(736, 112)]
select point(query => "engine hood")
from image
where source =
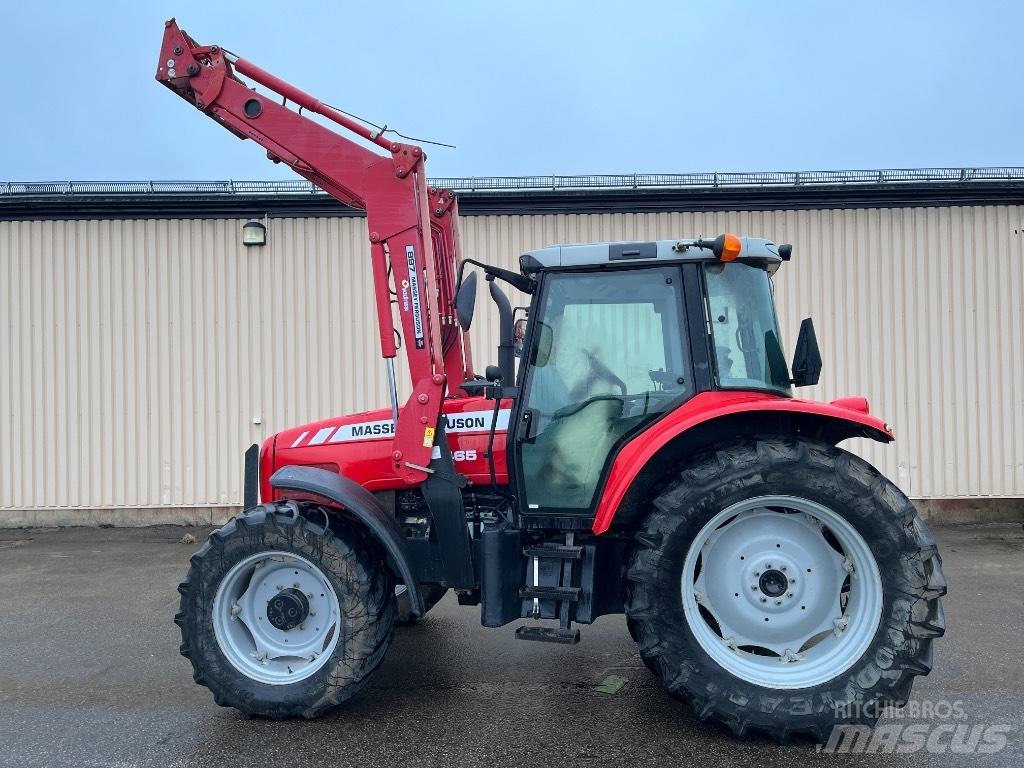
[(368, 425), (358, 445)]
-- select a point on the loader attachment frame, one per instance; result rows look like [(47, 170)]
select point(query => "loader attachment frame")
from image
[(412, 228)]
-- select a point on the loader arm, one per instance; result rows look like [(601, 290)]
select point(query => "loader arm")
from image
[(413, 230)]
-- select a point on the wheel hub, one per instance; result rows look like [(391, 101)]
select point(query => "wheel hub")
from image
[(276, 617), (773, 583), (288, 609)]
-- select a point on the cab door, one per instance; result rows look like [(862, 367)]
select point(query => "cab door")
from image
[(607, 356)]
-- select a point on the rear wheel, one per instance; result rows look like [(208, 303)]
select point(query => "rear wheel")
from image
[(785, 586), (648, 661), (282, 617)]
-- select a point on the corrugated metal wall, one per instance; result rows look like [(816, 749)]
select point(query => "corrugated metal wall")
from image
[(136, 355)]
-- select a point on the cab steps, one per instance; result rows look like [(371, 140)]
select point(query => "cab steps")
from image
[(565, 594)]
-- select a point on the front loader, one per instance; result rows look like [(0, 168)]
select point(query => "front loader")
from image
[(638, 450)]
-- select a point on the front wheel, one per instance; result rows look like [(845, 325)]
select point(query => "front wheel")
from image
[(785, 586), (282, 617)]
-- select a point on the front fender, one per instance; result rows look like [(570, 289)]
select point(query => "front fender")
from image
[(365, 507), (834, 421)]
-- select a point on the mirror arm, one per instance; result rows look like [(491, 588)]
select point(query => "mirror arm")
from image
[(522, 282)]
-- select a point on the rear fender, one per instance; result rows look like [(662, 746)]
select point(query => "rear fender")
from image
[(358, 503), (711, 417)]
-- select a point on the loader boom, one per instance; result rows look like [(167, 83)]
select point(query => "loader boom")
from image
[(413, 230)]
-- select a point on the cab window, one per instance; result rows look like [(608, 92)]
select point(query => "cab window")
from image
[(607, 357), (744, 329)]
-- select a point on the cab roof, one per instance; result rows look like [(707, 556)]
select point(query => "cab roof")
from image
[(756, 250)]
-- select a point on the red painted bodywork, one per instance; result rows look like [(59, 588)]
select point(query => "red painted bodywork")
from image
[(368, 461), (703, 408)]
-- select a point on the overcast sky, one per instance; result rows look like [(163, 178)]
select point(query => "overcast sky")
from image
[(531, 87)]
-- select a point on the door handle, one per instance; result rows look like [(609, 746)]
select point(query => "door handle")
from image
[(527, 425)]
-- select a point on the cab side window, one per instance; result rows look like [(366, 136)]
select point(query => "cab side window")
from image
[(608, 356)]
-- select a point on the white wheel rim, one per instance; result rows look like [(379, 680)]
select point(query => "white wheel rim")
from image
[(242, 623), (821, 622)]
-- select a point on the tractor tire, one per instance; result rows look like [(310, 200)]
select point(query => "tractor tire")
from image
[(649, 662), (702, 589), (431, 595), (270, 578)]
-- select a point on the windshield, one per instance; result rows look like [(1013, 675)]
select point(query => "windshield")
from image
[(744, 329)]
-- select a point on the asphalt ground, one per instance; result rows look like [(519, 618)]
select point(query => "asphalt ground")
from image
[(90, 676)]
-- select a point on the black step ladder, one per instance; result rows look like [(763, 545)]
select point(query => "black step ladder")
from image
[(565, 595)]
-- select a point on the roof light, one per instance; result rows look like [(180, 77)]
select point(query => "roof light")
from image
[(727, 247)]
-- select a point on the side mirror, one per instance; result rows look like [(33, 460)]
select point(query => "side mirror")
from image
[(465, 301), (806, 357)]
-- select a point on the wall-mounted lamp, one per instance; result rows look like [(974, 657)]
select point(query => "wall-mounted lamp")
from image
[(254, 233)]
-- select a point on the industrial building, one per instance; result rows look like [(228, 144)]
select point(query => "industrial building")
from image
[(144, 346)]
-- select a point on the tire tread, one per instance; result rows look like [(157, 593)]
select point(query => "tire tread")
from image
[(368, 626), (784, 714)]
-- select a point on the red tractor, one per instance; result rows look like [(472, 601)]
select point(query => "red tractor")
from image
[(644, 456)]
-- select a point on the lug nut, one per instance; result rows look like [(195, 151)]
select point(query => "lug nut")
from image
[(778, 602), (764, 599)]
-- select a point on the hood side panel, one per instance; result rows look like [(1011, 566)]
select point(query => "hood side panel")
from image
[(359, 445)]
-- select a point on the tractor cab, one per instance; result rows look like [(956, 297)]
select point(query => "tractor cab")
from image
[(620, 334)]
